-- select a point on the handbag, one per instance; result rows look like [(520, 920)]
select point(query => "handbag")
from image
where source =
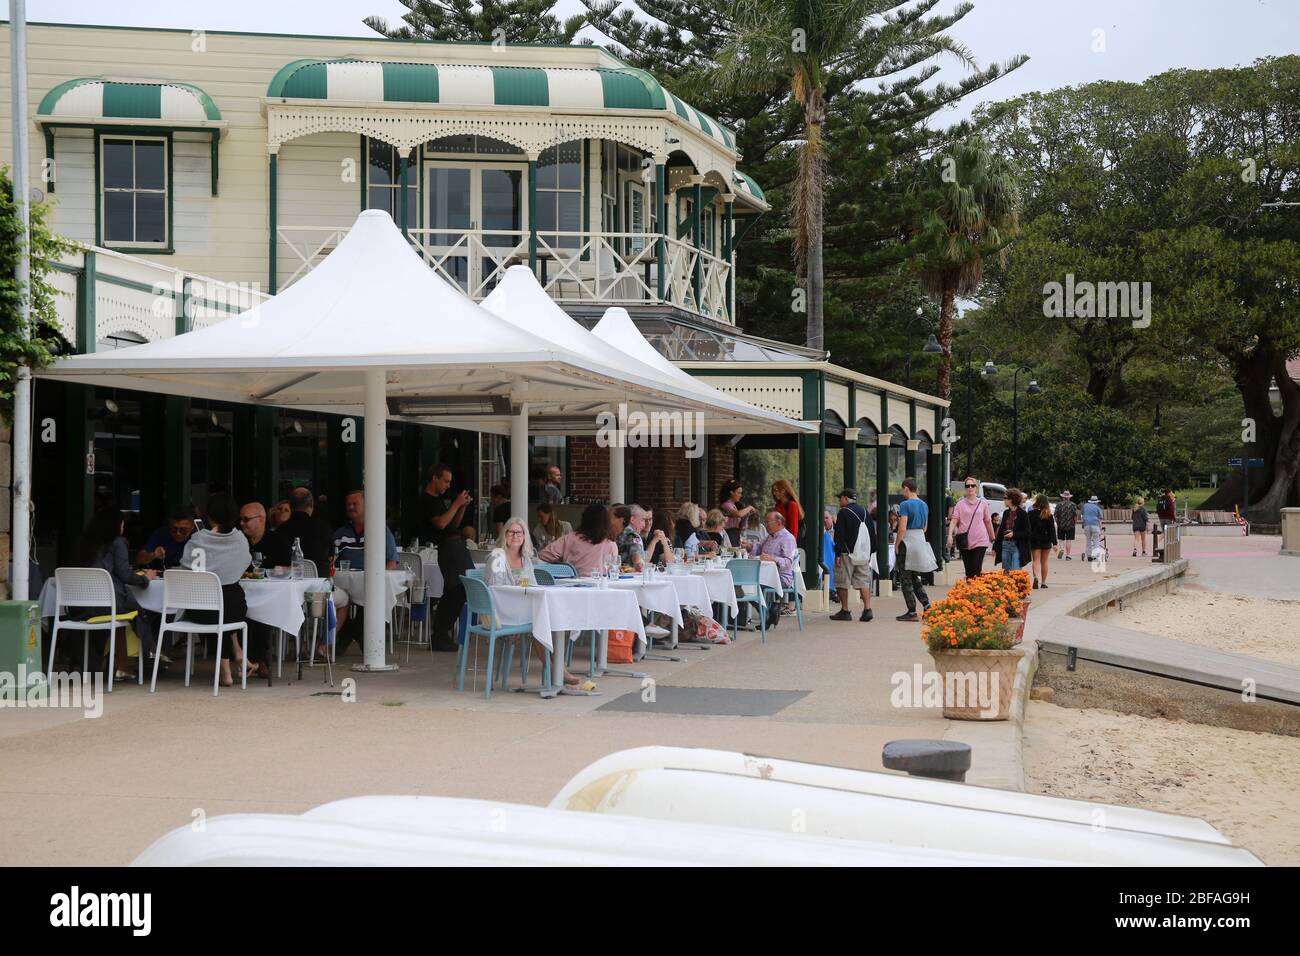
[(963, 540)]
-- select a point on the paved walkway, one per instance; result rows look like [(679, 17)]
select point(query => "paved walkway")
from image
[(88, 792), (1246, 565)]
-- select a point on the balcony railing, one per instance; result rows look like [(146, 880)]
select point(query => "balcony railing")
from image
[(575, 268)]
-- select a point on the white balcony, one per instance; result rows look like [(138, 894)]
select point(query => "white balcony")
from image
[(575, 268)]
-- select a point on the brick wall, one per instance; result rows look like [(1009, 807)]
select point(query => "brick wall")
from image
[(722, 468), (659, 474), (588, 475)]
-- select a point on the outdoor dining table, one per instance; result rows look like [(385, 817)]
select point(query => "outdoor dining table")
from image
[(557, 609), (353, 582), (278, 603), (667, 594)]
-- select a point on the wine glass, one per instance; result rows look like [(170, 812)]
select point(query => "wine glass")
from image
[(257, 564)]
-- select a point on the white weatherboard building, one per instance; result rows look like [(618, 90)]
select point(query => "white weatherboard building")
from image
[(202, 172)]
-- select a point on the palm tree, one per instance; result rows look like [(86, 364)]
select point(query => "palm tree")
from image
[(810, 45), (970, 209)]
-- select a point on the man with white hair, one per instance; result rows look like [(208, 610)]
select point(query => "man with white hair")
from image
[(631, 544)]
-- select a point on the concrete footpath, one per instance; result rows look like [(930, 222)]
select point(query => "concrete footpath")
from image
[(98, 791)]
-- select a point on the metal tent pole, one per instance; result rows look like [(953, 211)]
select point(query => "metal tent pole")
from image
[(22, 421), (376, 488)]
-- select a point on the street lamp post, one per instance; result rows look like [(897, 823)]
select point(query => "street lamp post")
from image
[(988, 369), (1032, 389), (931, 347)]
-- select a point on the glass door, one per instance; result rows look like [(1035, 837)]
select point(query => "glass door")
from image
[(449, 188), (476, 220)]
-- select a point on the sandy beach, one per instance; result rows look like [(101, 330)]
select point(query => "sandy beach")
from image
[(1245, 784), (1269, 630)]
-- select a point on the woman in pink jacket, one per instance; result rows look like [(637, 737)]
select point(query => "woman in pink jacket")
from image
[(590, 548)]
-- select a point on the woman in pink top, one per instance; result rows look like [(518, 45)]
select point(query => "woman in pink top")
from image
[(729, 505), (970, 516), (590, 548)]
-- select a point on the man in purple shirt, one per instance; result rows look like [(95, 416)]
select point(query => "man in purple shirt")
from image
[(779, 547)]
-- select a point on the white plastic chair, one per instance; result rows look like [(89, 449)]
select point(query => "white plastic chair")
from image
[(196, 591), (89, 587)]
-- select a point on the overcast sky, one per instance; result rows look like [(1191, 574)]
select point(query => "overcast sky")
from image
[(1140, 37)]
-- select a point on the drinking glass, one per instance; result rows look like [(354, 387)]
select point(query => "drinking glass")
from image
[(345, 564)]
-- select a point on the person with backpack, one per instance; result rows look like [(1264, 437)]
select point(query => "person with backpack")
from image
[(855, 543), (915, 556)]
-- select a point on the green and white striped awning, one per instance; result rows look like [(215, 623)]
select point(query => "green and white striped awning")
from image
[(746, 186), (598, 88), (95, 100)]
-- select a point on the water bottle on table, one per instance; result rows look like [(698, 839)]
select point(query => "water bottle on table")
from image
[(298, 564)]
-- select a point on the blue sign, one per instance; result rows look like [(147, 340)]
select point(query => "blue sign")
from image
[(1257, 463), (1234, 462)]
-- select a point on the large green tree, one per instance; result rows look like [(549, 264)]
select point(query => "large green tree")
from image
[(804, 42), (780, 72), (971, 211), (1169, 182), (506, 21)]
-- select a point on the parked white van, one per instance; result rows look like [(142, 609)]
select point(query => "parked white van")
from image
[(992, 492)]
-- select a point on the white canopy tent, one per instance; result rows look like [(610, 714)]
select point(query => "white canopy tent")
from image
[(520, 299), (369, 329)]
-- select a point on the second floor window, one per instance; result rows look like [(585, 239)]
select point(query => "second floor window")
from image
[(559, 194), (134, 198)]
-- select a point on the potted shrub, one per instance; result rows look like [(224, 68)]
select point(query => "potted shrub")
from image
[(972, 636)]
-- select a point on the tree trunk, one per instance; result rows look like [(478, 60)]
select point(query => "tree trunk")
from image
[(816, 322), (947, 305), (1283, 449)]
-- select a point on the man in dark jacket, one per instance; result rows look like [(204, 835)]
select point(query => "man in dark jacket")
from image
[(314, 534), (848, 572)]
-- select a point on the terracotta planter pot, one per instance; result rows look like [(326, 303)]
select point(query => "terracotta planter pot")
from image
[(980, 684)]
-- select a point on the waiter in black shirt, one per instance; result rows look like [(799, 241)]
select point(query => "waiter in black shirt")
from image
[(440, 523)]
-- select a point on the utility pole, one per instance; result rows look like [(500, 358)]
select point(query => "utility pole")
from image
[(22, 424)]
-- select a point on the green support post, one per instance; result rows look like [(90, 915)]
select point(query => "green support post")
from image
[(401, 191), (812, 450), (76, 432), (178, 486), (532, 214), (267, 444), (728, 229), (271, 206), (934, 474), (661, 245), (216, 139), (882, 509), (696, 232), (851, 443), (883, 440), (49, 156), (909, 456)]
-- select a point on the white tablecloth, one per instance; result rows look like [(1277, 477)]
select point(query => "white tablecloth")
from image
[(658, 594), (433, 583), (552, 609), (353, 582), (720, 586), (277, 603)]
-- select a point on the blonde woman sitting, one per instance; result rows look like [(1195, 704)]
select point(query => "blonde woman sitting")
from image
[(512, 561)]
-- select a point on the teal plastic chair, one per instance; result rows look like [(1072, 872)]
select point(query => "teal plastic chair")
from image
[(792, 592), (745, 572), (544, 577), (479, 604), (557, 570)]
